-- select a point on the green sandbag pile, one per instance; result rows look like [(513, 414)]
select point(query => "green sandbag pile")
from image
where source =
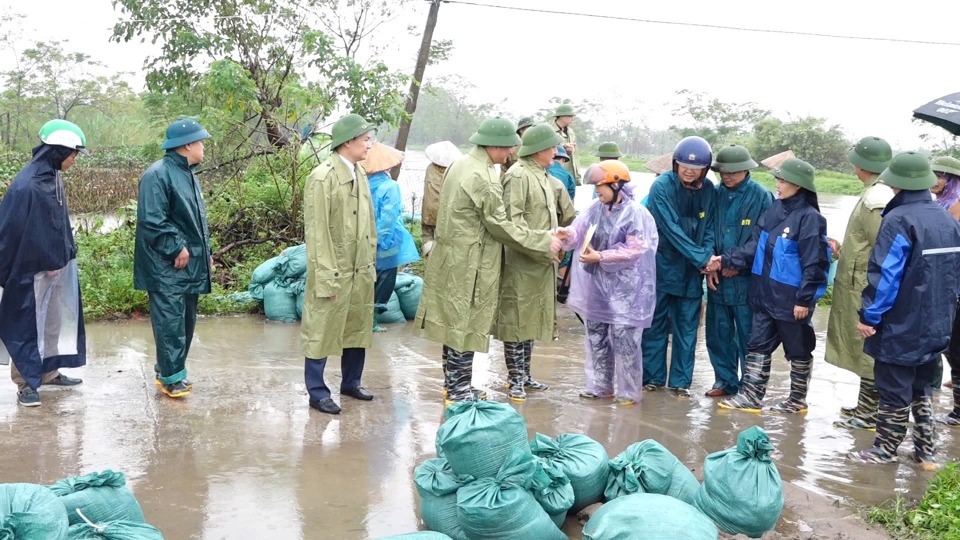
[(31, 512), (478, 436), (551, 488), (409, 288), (102, 497), (393, 314), (437, 486), (114, 530), (582, 459), (648, 515), (280, 282), (648, 467), (742, 491)]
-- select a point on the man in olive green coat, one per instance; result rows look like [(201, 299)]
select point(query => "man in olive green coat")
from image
[(522, 125), (171, 258), (341, 240), (869, 157), (528, 288), (462, 283), (562, 119)]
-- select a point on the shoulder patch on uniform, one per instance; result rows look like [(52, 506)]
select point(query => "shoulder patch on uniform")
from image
[(877, 196)]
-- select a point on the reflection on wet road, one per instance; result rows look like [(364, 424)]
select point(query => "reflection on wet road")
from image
[(244, 457)]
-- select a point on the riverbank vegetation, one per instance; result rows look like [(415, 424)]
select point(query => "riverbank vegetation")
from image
[(935, 517)]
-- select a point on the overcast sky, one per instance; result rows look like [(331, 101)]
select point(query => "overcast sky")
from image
[(635, 68)]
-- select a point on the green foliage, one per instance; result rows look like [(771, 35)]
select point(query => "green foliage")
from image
[(716, 121), (105, 262), (936, 517), (809, 138), (830, 182)]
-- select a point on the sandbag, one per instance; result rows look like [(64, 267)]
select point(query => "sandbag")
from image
[(298, 288), (742, 491), (300, 299), (503, 507), (279, 304), (31, 512), (437, 486), (648, 467), (102, 497), (256, 291), (582, 459), (393, 314), (293, 262), (425, 535), (648, 515), (551, 488), (478, 436), (409, 288), (113, 530), (267, 271)]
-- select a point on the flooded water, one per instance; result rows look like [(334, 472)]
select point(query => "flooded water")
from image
[(244, 457)]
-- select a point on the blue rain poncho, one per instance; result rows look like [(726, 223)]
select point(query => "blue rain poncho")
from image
[(395, 244)]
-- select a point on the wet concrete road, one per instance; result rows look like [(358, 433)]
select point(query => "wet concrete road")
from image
[(244, 457)]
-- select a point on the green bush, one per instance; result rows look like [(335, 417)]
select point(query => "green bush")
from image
[(937, 516), (831, 182)]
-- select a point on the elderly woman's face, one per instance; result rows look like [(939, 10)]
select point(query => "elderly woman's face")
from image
[(941, 181)]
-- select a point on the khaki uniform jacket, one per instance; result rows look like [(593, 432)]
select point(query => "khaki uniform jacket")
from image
[(461, 288), (844, 344), (432, 182), (528, 288), (572, 166), (341, 240)]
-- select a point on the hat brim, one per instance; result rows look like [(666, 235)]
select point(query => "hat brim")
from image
[(919, 183), (381, 158), (875, 167), (740, 166), (363, 128), (184, 140)]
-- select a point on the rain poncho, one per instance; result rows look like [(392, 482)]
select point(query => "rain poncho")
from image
[(557, 171), (395, 244), (621, 289), (41, 319)]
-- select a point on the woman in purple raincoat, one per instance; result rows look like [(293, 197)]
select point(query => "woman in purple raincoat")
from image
[(613, 287)]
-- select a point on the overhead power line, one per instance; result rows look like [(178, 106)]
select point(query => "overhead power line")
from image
[(701, 25)]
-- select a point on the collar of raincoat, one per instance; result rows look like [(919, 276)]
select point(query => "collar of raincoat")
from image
[(179, 161), (481, 154), (351, 168)]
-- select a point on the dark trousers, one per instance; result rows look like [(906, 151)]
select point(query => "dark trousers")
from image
[(899, 386), (383, 288), (683, 316), (728, 331), (351, 369), (767, 334), (174, 318)]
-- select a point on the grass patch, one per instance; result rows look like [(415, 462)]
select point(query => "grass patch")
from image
[(830, 182), (935, 517), (634, 163)]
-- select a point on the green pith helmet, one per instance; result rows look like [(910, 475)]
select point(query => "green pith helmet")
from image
[(797, 172), (183, 132), (609, 150), (525, 122), (64, 133), (537, 138), (733, 158), (348, 128), (946, 164), (498, 132), (910, 171), (871, 154), (564, 110)]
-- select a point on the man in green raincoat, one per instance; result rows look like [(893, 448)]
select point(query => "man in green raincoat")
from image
[(462, 283), (522, 126), (528, 287), (341, 239), (869, 157), (562, 119), (171, 259)]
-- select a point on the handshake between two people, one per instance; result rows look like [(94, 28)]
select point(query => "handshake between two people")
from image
[(714, 270), (558, 237)]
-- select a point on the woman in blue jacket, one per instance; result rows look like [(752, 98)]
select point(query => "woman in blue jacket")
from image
[(788, 256), (395, 244)]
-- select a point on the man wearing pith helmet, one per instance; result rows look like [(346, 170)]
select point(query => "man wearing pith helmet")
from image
[(609, 150), (341, 239), (462, 283), (869, 157), (908, 306), (528, 288), (740, 202), (562, 118), (523, 125), (172, 258)]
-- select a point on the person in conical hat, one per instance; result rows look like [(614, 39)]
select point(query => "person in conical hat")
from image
[(441, 155)]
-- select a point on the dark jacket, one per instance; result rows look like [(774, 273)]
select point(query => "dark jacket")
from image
[(913, 278), (171, 215), (685, 223), (737, 211), (788, 255)]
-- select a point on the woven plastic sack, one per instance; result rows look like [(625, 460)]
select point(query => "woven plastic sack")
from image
[(409, 288), (478, 436), (102, 497), (437, 486), (648, 515), (425, 535), (552, 489), (279, 303), (742, 491), (256, 291), (31, 512), (648, 467), (114, 530), (267, 271), (299, 290), (293, 262), (503, 507), (582, 459), (393, 314)]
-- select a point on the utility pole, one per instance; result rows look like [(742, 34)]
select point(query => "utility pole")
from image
[(422, 59)]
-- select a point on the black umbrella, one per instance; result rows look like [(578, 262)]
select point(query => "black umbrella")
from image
[(944, 112)]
